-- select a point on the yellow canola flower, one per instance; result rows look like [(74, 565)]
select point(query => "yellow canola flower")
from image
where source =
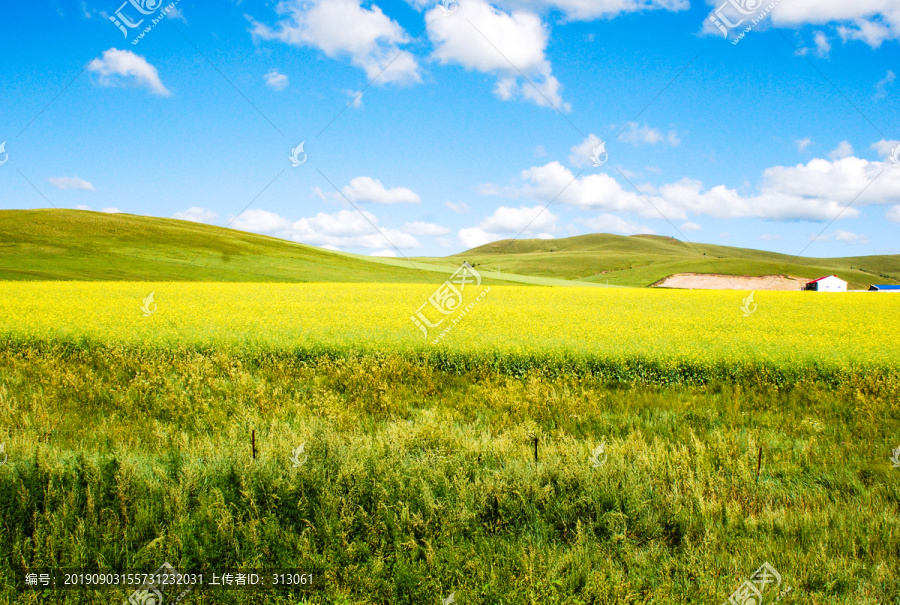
[(670, 326)]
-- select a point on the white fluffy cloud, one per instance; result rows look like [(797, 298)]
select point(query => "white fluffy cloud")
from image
[(420, 228), (819, 190), (844, 150), (871, 21), (262, 221), (473, 237), (610, 223), (581, 155), (886, 82), (582, 10), (637, 134), (356, 98), (510, 222), (594, 191), (845, 237), (366, 189), (483, 38), (533, 220), (66, 182), (476, 236), (459, 208), (893, 214), (276, 80), (343, 229), (823, 46), (803, 144), (344, 29), (122, 67), (886, 148), (836, 180), (197, 215), (175, 13)]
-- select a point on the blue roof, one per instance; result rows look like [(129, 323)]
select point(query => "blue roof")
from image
[(887, 287)]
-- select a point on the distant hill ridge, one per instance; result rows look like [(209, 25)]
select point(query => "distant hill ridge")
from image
[(83, 245), (642, 260)]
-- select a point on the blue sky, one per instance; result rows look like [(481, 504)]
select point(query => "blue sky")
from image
[(474, 116)]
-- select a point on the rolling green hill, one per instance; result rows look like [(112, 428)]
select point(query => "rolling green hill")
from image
[(642, 260), (83, 245)]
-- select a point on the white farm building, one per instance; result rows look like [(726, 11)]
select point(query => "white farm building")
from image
[(832, 283)]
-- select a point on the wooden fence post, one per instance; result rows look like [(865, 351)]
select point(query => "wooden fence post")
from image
[(758, 463)]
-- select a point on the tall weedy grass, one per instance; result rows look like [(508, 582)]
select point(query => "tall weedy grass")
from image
[(421, 482)]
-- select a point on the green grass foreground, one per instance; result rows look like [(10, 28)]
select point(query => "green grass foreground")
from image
[(422, 482)]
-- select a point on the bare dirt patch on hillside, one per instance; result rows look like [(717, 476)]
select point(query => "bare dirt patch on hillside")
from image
[(701, 281)]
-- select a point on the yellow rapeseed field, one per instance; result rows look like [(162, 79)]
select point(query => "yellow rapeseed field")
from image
[(848, 330)]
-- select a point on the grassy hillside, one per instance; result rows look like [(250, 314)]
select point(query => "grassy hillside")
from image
[(86, 246), (642, 260), (81, 245)]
